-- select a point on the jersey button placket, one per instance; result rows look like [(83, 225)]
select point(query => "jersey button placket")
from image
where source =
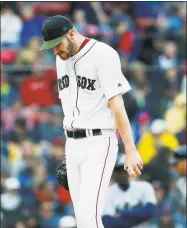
[(74, 91)]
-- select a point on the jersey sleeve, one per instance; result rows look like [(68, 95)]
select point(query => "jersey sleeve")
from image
[(148, 194), (110, 76)]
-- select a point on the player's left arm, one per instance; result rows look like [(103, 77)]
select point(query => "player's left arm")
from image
[(132, 159), (114, 84)]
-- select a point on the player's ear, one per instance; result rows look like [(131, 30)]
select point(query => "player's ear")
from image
[(71, 34)]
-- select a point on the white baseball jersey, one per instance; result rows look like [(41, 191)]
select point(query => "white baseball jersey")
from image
[(86, 82), (138, 194)]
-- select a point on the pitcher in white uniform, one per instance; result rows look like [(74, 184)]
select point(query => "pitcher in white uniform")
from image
[(91, 84)]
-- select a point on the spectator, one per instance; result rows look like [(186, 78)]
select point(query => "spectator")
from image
[(19, 130), (7, 92), (83, 26), (176, 112), (24, 157), (11, 26), (147, 10), (131, 207), (106, 30), (12, 204), (142, 125), (176, 20), (53, 158), (139, 84), (48, 219), (17, 111), (65, 199), (30, 220), (39, 175), (158, 168), (155, 138), (171, 85), (98, 9), (30, 54), (126, 39), (32, 24), (51, 127), (37, 89), (45, 192), (91, 17), (131, 106), (169, 57), (118, 16), (55, 155), (80, 21)]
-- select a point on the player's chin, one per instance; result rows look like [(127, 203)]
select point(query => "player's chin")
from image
[(64, 57)]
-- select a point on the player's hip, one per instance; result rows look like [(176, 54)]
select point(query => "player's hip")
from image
[(93, 147)]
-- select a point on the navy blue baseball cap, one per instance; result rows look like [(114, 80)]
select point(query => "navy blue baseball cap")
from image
[(54, 30)]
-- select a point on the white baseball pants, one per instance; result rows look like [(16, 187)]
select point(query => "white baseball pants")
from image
[(90, 162)]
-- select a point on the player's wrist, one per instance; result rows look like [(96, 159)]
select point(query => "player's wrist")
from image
[(130, 149)]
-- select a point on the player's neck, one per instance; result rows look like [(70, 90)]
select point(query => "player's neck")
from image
[(80, 39)]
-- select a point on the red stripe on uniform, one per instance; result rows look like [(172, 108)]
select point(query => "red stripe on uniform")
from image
[(101, 182), (83, 44)]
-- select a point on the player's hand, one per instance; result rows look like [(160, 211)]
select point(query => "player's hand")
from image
[(133, 163)]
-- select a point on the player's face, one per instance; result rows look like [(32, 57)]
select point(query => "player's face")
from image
[(65, 49)]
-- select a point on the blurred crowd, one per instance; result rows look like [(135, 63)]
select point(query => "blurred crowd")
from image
[(150, 38)]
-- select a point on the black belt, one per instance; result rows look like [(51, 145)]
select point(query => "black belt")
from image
[(79, 134)]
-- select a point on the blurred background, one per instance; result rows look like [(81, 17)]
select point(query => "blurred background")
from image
[(151, 40)]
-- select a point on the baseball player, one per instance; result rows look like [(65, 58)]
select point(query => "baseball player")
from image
[(91, 84), (130, 203)]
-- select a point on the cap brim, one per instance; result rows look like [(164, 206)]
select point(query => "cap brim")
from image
[(51, 43)]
